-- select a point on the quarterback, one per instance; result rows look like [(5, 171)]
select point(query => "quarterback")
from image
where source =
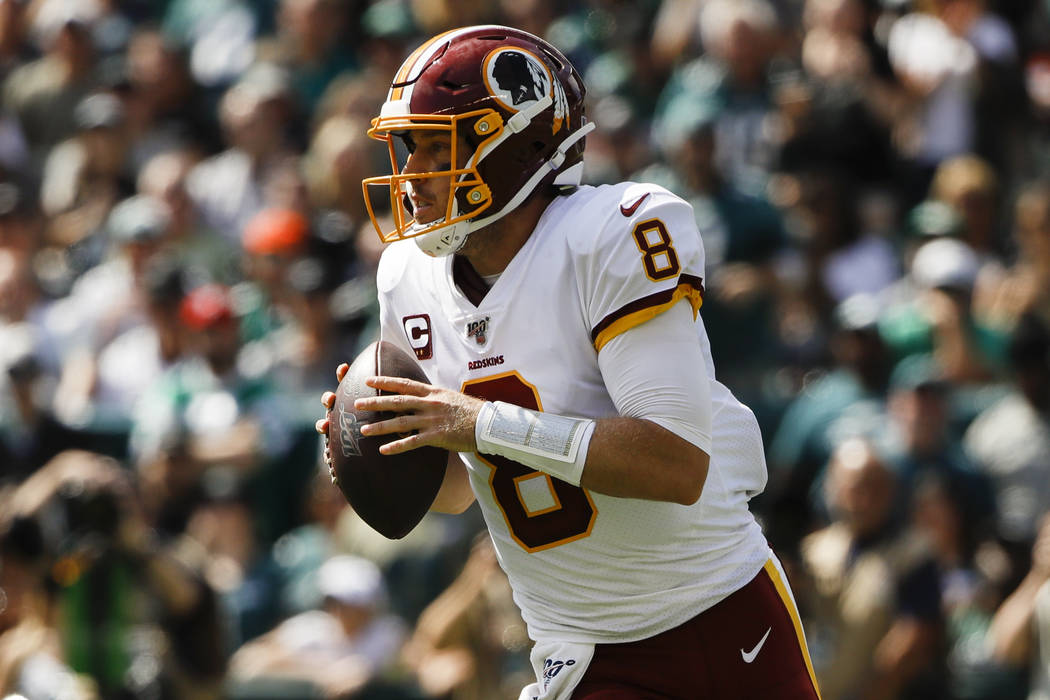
[(572, 382)]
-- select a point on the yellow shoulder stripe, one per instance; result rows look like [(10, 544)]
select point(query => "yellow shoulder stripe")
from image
[(638, 316)]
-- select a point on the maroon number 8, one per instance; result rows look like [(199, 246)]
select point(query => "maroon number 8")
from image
[(659, 259), (572, 516)]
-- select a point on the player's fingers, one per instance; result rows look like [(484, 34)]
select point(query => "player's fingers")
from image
[(409, 442), (399, 385), (398, 424), (321, 426), (340, 371), (328, 399), (398, 403)]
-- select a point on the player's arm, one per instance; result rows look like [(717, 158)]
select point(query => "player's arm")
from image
[(656, 449), (455, 494), (636, 458)]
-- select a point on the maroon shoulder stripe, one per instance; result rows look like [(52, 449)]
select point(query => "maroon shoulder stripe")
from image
[(655, 299)]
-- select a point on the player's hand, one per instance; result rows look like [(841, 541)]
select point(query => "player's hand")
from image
[(321, 426), (434, 416)]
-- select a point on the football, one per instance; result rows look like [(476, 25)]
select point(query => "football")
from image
[(391, 493)]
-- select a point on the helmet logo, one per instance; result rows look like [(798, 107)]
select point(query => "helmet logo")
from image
[(517, 78)]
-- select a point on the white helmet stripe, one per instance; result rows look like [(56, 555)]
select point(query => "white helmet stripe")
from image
[(394, 108), (424, 59)]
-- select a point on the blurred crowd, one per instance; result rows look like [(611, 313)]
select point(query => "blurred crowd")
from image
[(185, 257)]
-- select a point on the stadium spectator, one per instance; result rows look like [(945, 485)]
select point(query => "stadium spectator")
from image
[(351, 642), (109, 299), (1010, 441), (932, 312), (470, 642), (43, 93), (937, 71), (920, 439), (30, 434), (821, 143), (872, 590), (311, 46), (206, 413), (99, 560), (228, 187), (1024, 287), (31, 662), (854, 385), (272, 241), (87, 174), (732, 80), (971, 588), (205, 255), (968, 184), (1020, 631)]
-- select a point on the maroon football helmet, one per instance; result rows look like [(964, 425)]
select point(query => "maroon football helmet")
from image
[(512, 98)]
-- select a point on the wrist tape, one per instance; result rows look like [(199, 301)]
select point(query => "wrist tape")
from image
[(553, 444)]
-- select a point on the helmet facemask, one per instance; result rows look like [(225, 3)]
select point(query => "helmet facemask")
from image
[(468, 195)]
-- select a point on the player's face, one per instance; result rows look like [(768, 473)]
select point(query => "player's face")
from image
[(430, 151)]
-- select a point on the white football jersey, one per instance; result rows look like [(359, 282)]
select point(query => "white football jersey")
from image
[(586, 567)]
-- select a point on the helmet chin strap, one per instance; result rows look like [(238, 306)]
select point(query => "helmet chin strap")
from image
[(446, 240), (443, 241)]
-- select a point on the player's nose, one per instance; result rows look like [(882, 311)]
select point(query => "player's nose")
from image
[(414, 165)]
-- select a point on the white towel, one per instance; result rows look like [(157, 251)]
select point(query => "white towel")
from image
[(559, 667)]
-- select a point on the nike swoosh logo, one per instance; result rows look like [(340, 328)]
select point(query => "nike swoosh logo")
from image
[(749, 656), (629, 211)]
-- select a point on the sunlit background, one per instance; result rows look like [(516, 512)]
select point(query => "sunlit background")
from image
[(185, 257)]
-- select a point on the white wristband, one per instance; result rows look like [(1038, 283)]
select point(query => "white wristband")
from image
[(553, 444)]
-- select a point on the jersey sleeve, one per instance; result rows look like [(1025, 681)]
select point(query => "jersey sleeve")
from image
[(674, 393), (646, 256)]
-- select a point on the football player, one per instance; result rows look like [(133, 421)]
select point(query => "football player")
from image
[(572, 382)]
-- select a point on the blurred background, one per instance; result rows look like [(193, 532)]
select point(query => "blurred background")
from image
[(185, 258)]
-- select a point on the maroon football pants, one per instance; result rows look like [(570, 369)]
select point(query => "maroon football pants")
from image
[(749, 646)]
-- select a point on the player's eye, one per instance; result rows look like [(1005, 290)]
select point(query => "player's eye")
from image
[(439, 148)]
